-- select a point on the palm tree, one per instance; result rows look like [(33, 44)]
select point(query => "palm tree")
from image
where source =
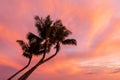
[(33, 47), (53, 34)]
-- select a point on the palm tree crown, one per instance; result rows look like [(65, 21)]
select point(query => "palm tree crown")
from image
[(50, 34)]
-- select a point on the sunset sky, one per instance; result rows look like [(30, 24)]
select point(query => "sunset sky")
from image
[(95, 25)]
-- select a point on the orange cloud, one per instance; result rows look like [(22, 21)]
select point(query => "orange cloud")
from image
[(61, 64), (110, 45), (8, 62), (9, 34)]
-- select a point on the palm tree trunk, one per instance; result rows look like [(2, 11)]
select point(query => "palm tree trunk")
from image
[(20, 70), (28, 73)]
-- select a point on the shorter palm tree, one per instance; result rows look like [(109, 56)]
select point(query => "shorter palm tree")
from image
[(26, 54), (32, 48)]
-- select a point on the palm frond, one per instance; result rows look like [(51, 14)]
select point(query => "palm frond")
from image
[(22, 44), (48, 21), (69, 42), (58, 23), (39, 24), (37, 18), (67, 32), (32, 37)]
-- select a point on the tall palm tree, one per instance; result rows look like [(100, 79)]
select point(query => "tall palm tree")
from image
[(53, 34), (33, 47)]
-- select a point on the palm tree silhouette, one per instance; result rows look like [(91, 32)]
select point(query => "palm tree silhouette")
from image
[(32, 48), (52, 34)]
